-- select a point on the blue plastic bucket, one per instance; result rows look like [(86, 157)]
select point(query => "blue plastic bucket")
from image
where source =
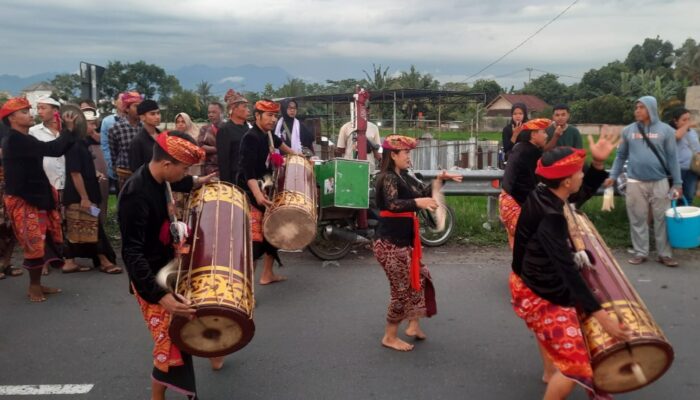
[(683, 226)]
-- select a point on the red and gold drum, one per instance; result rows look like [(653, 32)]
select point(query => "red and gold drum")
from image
[(618, 366), (290, 224), (216, 275)]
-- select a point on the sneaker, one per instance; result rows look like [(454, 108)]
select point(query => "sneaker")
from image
[(667, 261), (636, 260)]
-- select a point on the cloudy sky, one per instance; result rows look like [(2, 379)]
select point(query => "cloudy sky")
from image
[(332, 39)]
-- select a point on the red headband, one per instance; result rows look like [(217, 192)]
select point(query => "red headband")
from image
[(180, 149), (398, 142), (14, 104), (564, 167), (267, 106), (536, 124)]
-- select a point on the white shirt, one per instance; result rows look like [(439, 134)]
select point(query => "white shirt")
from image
[(54, 167), (345, 138)]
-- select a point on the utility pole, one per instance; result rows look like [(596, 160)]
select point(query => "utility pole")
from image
[(529, 74)]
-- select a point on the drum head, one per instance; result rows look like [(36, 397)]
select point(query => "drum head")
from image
[(290, 228), (214, 332), (614, 373)]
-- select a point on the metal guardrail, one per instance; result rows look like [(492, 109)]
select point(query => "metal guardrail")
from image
[(484, 182)]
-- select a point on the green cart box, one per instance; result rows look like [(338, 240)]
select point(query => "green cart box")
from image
[(343, 183)]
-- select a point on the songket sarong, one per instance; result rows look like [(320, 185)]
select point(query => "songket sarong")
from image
[(509, 211), (260, 244), (406, 302), (171, 367), (37, 231), (558, 330)]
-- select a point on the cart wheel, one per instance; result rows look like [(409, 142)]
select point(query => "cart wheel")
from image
[(429, 236), (329, 250)]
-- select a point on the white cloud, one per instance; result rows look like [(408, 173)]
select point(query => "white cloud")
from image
[(331, 39), (233, 79)]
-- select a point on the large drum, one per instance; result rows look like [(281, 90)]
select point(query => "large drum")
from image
[(216, 274), (618, 366), (290, 224)]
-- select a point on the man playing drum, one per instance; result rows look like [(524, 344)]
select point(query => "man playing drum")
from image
[(147, 247), (546, 286), (257, 159)]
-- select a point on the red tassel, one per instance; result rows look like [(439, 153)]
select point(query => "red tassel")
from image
[(57, 118), (164, 235), (276, 160)]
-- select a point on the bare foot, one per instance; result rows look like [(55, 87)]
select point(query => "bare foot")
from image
[(50, 290), (35, 294), (216, 363), (416, 333), (273, 279), (396, 344), (45, 270)]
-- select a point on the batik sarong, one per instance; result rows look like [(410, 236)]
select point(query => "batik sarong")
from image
[(171, 367), (558, 330), (509, 211), (37, 231), (406, 302)]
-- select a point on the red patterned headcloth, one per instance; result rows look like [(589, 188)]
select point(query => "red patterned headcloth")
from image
[(233, 97), (265, 105), (130, 98), (564, 167), (399, 142), (536, 124), (180, 149), (14, 104)]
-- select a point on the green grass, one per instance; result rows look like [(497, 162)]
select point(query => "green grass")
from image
[(111, 224), (471, 216)]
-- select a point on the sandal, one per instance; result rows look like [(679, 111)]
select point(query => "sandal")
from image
[(77, 268), (12, 271), (111, 269), (667, 261)]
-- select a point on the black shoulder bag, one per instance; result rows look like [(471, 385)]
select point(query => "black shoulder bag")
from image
[(656, 153)]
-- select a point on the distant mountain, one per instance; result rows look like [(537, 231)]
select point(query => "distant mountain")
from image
[(249, 78), (14, 84)]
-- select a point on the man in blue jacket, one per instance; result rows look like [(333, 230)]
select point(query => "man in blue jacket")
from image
[(648, 178)]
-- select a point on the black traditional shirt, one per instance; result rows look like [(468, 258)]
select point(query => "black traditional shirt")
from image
[(397, 194), (228, 145), (142, 211), (519, 178), (141, 149), (79, 159), (253, 157), (22, 160), (542, 255)]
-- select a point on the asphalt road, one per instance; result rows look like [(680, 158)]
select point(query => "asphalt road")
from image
[(317, 335)]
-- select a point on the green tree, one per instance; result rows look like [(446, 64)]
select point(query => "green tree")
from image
[(379, 79), (688, 62), (148, 79), (667, 92), (653, 55), (609, 109), (67, 86), (414, 79), (294, 87), (204, 95), (187, 101), (488, 86), (548, 88), (343, 85), (598, 82)]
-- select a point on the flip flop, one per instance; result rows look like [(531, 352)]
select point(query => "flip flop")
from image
[(77, 268)]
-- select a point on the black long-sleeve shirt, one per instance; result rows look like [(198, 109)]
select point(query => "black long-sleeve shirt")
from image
[(542, 255), (228, 145), (142, 211), (519, 179), (397, 194), (253, 156), (141, 149), (23, 157)]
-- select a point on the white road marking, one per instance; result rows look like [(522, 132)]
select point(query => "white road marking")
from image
[(29, 390)]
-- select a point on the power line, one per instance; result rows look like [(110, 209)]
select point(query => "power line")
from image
[(554, 73), (523, 42)]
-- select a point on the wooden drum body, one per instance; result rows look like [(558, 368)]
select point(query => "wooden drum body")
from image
[(619, 366), (216, 274), (122, 175), (290, 224)]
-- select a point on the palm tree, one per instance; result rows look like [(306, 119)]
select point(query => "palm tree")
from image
[(379, 80), (688, 62)]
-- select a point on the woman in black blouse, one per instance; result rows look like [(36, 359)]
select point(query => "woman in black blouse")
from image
[(397, 247), (518, 116)]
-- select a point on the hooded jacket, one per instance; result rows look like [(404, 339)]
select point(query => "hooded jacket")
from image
[(642, 164)]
